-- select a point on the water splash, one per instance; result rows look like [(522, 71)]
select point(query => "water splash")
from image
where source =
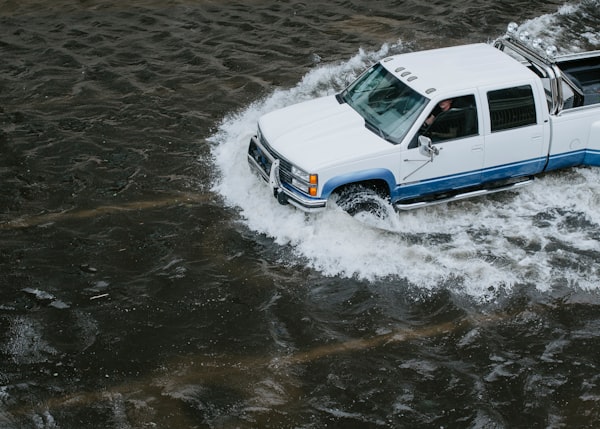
[(546, 235), (572, 28)]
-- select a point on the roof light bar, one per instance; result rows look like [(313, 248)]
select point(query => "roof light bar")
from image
[(537, 43)]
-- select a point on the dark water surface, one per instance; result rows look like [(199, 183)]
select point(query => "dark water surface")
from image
[(144, 285)]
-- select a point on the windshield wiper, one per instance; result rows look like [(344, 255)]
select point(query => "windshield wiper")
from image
[(371, 126), (377, 130)]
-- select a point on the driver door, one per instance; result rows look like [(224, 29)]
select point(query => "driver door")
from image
[(456, 157)]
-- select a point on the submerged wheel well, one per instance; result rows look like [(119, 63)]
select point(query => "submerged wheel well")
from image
[(378, 185)]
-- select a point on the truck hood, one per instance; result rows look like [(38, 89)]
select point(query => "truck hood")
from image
[(316, 133)]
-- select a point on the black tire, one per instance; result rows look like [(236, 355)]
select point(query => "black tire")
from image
[(359, 198)]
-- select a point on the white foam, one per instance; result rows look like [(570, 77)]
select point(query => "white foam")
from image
[(25, 344), (477, 247), (551, 28)]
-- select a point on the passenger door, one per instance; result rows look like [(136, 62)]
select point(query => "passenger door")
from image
[(516, 142), (460, 153)]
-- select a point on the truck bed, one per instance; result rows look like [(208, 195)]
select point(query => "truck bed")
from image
[(585, 73)]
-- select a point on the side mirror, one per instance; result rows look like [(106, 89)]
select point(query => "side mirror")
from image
[(426, 147)]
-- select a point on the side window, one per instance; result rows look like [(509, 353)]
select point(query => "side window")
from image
[(512, 108), (452, 119)]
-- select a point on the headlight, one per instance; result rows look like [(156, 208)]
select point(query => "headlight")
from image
[(551, 51), (300, 174), (304, 181), (524, 36)]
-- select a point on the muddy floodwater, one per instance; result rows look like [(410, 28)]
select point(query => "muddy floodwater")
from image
[(149, 280)]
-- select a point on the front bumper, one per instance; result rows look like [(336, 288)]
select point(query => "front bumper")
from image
[(263, 162)]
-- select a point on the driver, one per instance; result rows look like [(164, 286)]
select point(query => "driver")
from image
[(443, 106)]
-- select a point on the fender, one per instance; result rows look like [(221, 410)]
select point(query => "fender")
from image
[(359, 176)]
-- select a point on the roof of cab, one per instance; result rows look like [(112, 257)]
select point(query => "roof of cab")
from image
[(455, 68)]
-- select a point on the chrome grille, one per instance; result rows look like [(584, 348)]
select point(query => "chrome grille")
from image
[(285, 167)]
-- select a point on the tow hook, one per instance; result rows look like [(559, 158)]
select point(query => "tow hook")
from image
[(282, 198)]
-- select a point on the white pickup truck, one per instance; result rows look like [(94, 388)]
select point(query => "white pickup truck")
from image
[(434, 126)]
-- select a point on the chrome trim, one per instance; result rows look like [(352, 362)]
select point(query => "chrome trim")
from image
[(303, 203), (461, 196), (577, 56), (274, 181)]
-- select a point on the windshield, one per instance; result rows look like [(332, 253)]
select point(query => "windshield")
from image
[(389, 106)]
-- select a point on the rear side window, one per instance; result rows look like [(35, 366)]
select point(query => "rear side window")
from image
[(512, 108)]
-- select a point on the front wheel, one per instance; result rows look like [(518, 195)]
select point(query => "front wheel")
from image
[(358, 198)]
